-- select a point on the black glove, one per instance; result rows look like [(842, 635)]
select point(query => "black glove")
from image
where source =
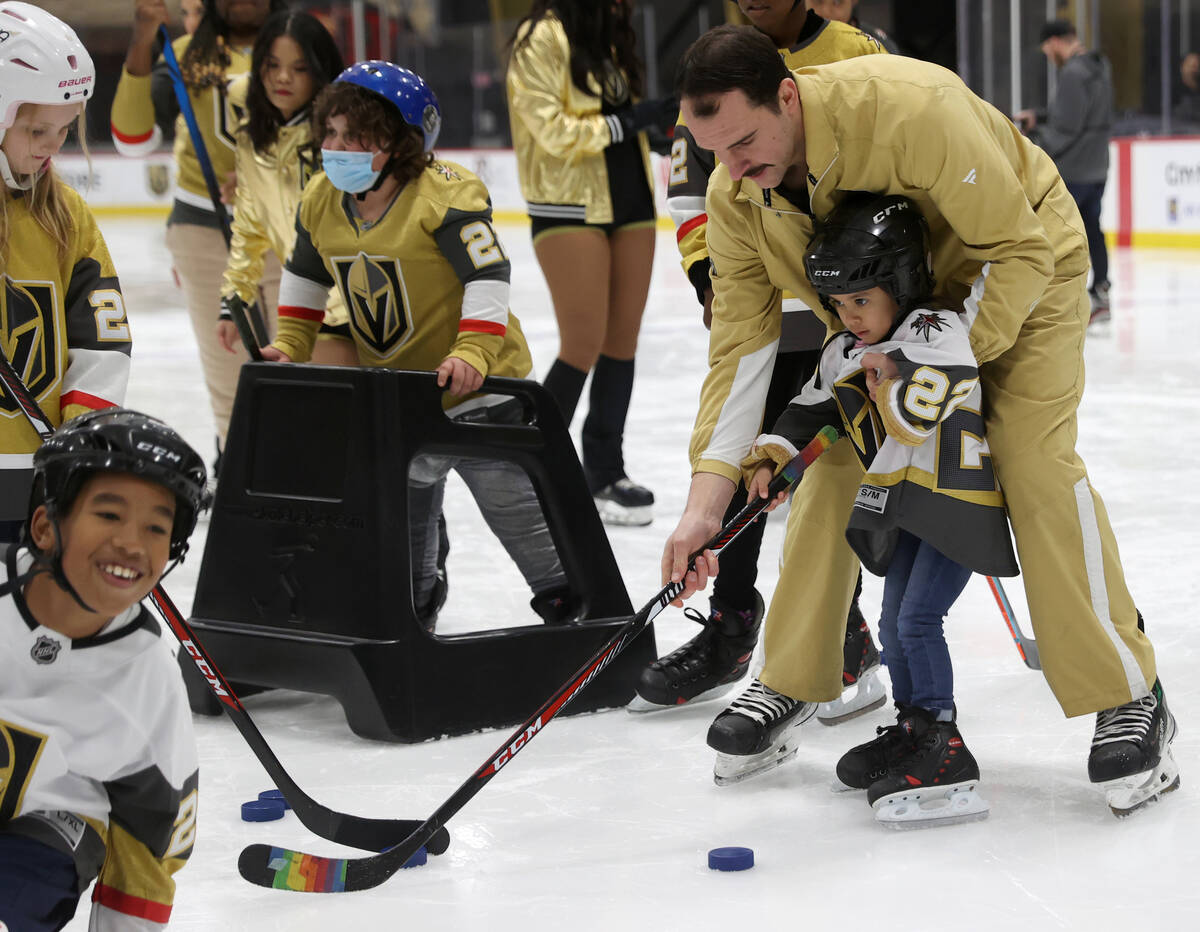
[(661, 112)]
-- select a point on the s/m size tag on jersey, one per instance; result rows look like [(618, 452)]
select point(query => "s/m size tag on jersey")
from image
[(872, 498)]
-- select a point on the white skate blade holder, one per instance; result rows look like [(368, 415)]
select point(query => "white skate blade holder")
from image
[(1127, 795), (868, 694), (929, 806)]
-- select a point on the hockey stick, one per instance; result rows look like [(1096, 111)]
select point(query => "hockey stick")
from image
[(286, 869), (250, 326), (1026, 647), (355, 831)]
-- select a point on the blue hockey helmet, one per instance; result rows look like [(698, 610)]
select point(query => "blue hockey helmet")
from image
[(404, 89)]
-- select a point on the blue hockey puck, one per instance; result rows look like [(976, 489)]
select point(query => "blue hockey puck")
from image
[(262, 810), (274, 794), (731, 859), (420, 856)]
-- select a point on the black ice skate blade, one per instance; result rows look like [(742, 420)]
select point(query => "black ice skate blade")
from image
[(639, 706)]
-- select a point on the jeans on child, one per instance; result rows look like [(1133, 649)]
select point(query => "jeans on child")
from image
[(920, 587), (39, 888), (505, 497)]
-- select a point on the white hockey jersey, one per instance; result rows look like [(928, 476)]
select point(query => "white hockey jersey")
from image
[(922, 444), (97, 755)]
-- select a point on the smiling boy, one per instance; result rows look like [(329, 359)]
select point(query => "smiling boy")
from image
[(99, 769)]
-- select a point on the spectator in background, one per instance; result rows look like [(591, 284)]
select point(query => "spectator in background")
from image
[(192, 11), (574, 82), (1187, 110), (843, 12), (1075, 133)]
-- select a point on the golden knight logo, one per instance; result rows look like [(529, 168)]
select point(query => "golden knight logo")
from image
[(26, 316), (373, 288)]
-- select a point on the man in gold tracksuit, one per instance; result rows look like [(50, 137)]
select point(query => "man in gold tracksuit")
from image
[(1008, 244)]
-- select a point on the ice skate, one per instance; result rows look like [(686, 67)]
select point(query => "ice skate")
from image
[(865, 763), (756, 733), (1131, 752), (934, 783), (707, 666), (624, 503), (862, 691)]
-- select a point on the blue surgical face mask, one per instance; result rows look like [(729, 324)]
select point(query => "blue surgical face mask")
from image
[(349, 171)]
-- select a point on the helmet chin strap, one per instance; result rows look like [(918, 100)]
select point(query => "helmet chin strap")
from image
[(6, 171), (54, 560), (383, 176)]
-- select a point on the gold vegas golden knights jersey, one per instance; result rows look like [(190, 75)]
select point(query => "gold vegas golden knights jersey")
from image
[(62, 320), (428, 280), (142, 104), (819, 43), (269, 184)]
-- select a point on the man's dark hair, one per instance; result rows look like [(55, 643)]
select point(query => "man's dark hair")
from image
[(730, 58), (1057, 29)]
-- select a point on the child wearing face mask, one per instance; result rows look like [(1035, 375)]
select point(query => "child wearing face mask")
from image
[(294, 57), (64, 327), (408, 241)]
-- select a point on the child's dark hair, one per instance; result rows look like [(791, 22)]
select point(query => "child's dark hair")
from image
[(207, 55), (374, 121), (599, 33), (320, 54)]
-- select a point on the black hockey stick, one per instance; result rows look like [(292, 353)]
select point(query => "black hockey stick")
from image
[(251, 327), (1026, 647), (355, 831), (286, 869)]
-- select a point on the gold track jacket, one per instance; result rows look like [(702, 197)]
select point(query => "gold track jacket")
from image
[(559, 134)]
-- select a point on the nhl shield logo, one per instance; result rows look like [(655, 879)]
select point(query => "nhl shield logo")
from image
[(45, 650), (158, 178)]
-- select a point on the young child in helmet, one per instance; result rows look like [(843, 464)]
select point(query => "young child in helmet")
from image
[(409, 242), (100, 776), (903, 385), (63, 320)]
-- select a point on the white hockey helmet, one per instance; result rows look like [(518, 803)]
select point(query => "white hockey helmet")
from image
[(42, 61)]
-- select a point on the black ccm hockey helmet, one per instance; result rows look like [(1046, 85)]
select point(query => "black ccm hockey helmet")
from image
[(870, 240), (122, 441)]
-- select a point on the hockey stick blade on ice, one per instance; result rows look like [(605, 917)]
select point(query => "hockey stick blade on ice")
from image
[(250, 325), (286, 869), (1026, 647), (354, 831)]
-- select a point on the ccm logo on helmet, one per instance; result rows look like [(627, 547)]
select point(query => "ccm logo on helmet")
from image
[(887, 210), (825, 273), (154, 448), (72, 82)]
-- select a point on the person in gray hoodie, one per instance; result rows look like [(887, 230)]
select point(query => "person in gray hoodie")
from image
[(1075, 133)]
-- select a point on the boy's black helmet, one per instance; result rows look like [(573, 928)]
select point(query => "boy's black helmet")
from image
[(872, 240), (122, 441)]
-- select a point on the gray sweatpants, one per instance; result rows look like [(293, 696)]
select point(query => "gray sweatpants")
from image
[(509, 505)]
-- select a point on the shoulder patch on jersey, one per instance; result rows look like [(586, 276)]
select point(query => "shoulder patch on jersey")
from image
[(446, 171), (923, 324)]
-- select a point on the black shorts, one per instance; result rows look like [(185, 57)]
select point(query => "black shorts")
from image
[(632, 199)]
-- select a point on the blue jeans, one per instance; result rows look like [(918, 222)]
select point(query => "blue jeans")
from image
[(1088, 196), (920, 586)]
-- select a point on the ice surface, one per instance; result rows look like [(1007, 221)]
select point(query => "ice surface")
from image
[(605, 821)]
